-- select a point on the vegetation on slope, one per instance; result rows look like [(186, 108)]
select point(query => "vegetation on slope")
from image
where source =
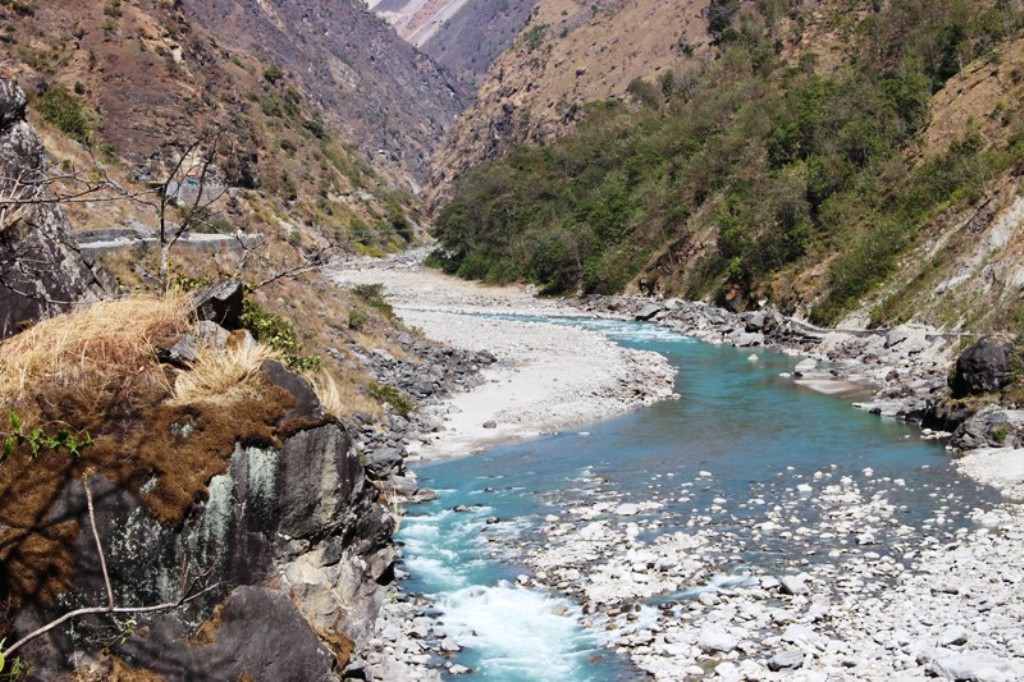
[(733, 180)]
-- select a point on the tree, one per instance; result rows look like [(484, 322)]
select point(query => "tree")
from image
[(190, 188)]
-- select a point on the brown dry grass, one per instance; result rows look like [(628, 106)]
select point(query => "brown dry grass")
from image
[(93, 347), (344, 398), (224, 376)]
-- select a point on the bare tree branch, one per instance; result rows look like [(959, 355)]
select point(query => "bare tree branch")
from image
[(191, 215), (96, 537), (315, 261)]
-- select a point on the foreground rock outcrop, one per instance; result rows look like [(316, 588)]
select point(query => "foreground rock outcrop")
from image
[(259, 508), (41, 271)]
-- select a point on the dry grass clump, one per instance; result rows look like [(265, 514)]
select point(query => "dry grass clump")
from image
[(224, 375), (96, 346), (342, 399)]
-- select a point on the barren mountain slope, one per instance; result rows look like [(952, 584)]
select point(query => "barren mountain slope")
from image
[(394, 102), (570, 53)]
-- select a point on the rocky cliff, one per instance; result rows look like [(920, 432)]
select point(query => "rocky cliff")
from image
[(41, 271), (250, 508)]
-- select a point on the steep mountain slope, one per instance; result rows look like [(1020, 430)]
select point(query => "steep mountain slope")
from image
[(394, 102), (136, 84), (842, 160), (571, 53), (466, 36), (967, 270)]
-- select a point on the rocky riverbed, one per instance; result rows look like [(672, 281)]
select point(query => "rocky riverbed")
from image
[(858, 593)]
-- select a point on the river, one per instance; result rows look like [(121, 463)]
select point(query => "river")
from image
[(744, 450)]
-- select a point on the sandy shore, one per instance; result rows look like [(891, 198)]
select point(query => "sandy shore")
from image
[(548, 377), (1001, 468)]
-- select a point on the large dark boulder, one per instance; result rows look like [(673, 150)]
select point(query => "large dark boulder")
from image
[(985, 367), (304, 503), (41, 270), (990, 427), (221, 302), (257, 634)]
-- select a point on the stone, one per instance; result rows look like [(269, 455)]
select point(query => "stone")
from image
[(715, 639), (989, 427), (985, 367), (742, 339), (406, 486), (182, 354), (307, 410), (978, 665), (42, 272), (954, 635), (756, 321), (221, 302), (490, 424), (211, 334), (380, 463), (801, 635), (793, 584), (258, 629), (896, 336), (648, 312), (790, 659)]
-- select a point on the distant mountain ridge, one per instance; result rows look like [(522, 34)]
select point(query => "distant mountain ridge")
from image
[(465, 36), (570, 53)]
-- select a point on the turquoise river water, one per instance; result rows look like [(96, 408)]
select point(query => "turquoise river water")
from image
[(739, 420)]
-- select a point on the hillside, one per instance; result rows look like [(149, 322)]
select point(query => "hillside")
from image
[(128, 96), (569, 54), (465, 36), (157, 72), (775, 172), (393, 102)]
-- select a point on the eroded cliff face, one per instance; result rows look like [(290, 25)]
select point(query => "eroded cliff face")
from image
[(41, 271), (569, 53)]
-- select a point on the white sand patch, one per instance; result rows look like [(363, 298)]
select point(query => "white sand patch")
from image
[(548, 376), (1001, 468)]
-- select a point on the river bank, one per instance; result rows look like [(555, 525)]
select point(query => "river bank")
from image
[(545, 377), (845, 617)]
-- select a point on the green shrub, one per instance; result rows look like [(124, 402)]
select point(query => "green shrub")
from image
[(373, 296), (272, 74), (535, 37), (278, 333), (59, 107), (384, 393)]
